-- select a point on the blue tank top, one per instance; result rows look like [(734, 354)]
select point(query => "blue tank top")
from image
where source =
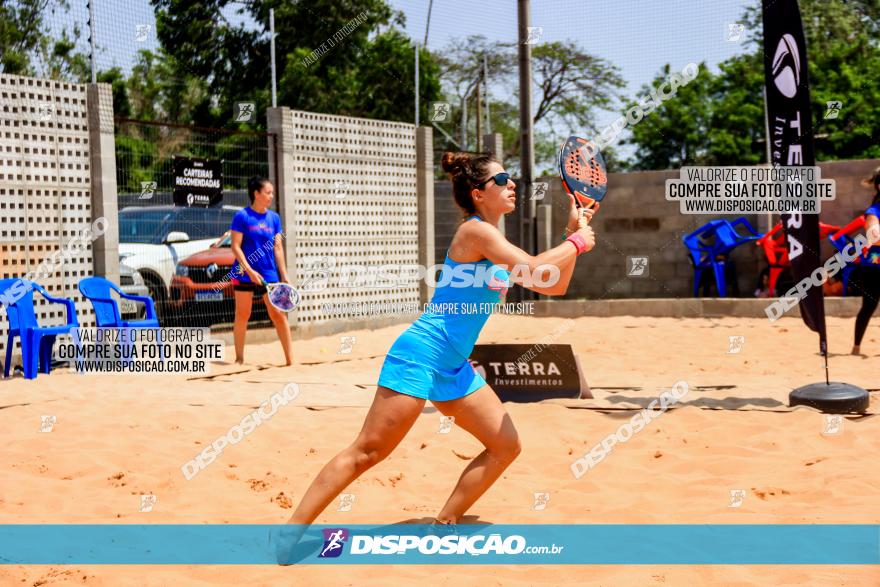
[(464, 298)]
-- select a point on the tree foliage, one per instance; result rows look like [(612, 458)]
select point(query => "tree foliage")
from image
[(332, 56), (27, 48), (720, 121), (571, 88)]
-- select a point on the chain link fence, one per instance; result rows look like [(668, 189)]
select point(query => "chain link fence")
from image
[(183, 254)]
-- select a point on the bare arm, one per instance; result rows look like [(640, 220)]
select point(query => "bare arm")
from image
[(488, 242), (565, 273), (242, 260), (279, 258), (872, 229)]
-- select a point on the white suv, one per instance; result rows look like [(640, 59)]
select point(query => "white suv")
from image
[(153, 239)]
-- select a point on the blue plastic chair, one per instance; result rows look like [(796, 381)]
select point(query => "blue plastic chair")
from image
[(716, 238), (36, 341), (97, 291), (107, 315)]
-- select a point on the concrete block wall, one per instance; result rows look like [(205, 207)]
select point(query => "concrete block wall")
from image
[(636, 220), (46, 192), (348, 190)]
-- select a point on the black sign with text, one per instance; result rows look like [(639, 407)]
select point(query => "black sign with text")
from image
[(197, 182), (791, 127), (530, 372)]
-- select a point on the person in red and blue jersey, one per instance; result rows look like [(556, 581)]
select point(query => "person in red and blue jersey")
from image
[(429, 361), (258, 246), (865, 279)]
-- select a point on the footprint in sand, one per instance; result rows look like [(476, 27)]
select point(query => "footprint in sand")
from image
[(771, 491), (266, 482), (258, 485), (61, 574), (283, 501)]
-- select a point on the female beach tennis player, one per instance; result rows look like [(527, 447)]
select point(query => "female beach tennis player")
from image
[(429, 361), (865, 279), (258, 246)]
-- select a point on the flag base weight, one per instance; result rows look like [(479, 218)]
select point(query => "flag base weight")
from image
[(831, 398)]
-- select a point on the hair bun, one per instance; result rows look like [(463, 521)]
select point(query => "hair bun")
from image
[(456, 162)]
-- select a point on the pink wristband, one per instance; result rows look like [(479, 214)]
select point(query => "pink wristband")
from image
[(579, 243)]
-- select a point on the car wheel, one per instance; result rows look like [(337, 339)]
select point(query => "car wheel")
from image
[(157, 292)]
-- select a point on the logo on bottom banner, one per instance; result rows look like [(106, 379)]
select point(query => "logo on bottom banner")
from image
[(520, 544), (334, 540)]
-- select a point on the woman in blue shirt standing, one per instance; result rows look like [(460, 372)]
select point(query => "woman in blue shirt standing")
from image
[(258, 246), (865, 280)]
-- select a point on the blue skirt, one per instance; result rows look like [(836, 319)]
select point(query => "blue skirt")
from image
[(422, 363)]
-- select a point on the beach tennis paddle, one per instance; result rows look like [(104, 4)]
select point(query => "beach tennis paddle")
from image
[(583, 173), (281, 295)]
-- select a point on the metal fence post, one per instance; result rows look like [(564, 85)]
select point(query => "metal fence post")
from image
[(102, 166), (425, 203)]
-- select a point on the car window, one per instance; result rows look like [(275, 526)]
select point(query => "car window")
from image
[(142, 226), (226, 216), (197, 223), (226, 241)]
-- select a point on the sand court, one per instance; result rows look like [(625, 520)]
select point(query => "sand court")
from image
[(116, 438)]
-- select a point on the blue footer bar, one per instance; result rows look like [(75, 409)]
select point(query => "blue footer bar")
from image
[(522, 544)]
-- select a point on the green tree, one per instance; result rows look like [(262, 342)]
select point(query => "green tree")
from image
[(119, 89), (674, 134), (26, 48), (735, 130), (338, 57), (158, 90), (572, 86), (844, 58)]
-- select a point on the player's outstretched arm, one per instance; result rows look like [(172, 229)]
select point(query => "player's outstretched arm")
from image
[(559, 260)]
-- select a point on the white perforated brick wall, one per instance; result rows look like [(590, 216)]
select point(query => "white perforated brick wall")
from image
[(44, 189), (374, 223)]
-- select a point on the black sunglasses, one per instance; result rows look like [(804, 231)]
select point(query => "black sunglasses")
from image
[(500, 179)]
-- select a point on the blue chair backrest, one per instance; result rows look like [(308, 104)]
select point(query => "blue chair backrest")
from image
[(728, 238), (106, 312), (17, 295)]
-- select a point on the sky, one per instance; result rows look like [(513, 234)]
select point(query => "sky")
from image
[(638, 36)]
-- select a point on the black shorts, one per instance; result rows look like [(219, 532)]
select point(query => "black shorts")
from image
[(864, 281), (258, 290)]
